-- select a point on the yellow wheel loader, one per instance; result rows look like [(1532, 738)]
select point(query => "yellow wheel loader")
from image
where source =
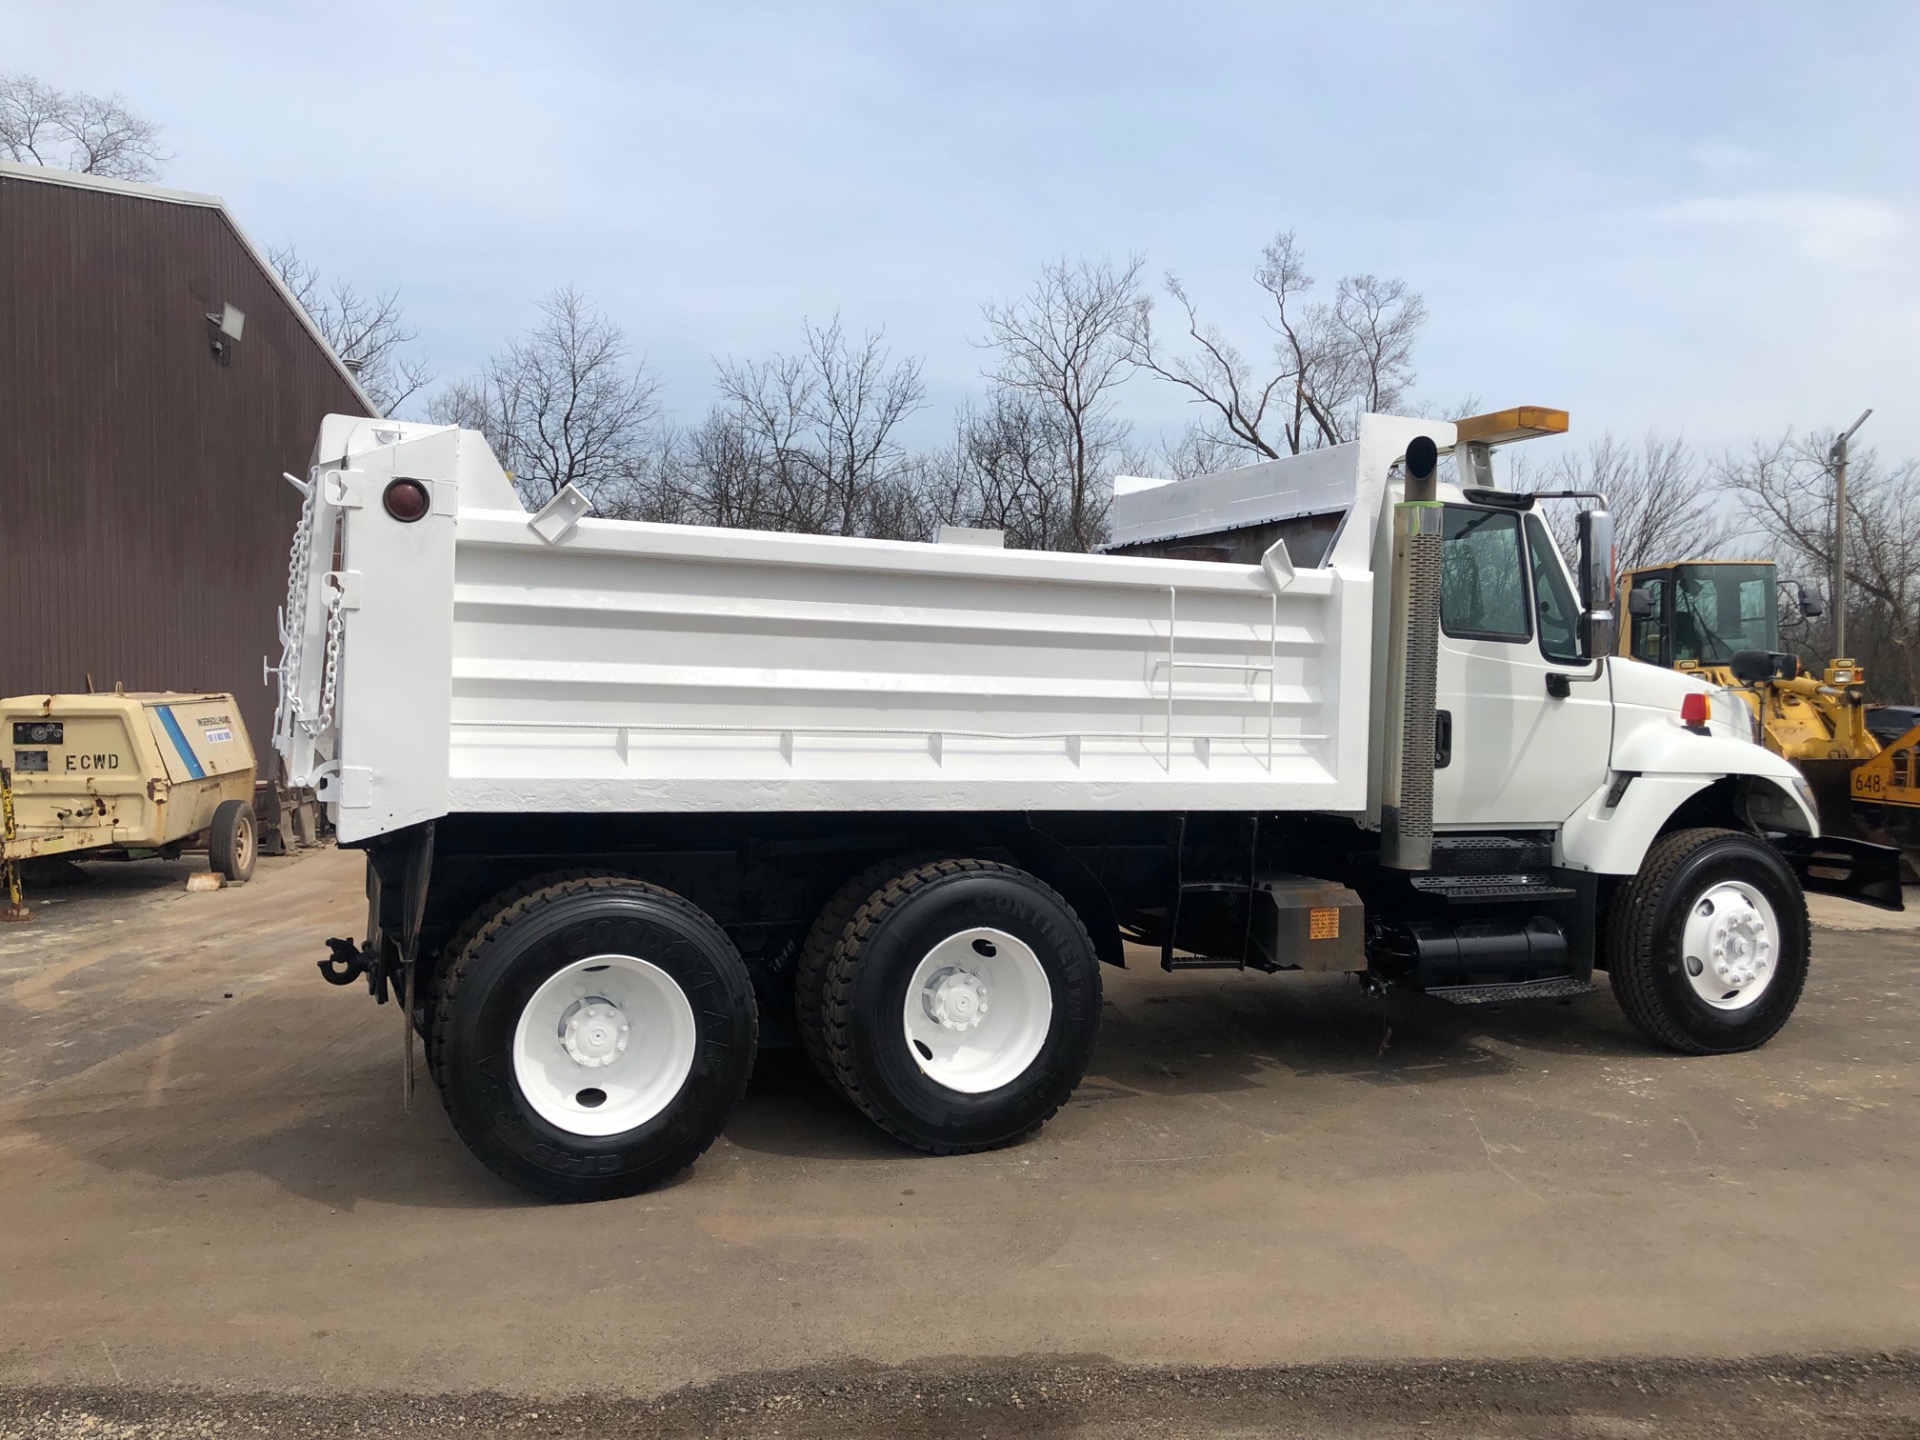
[(1721, 619)]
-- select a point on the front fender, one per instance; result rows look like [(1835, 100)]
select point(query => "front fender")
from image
[(1666, 747), (1659, 766)]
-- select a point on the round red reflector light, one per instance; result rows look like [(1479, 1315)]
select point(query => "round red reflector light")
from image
[(407, 500)]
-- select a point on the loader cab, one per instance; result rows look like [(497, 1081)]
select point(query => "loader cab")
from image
[(1696, 615)]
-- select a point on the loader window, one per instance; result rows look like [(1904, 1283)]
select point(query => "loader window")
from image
[(1650, 631), (1553, 598), (1483, 582), (1718, 609)]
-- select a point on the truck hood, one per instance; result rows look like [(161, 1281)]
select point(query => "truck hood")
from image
[(1648, 736)]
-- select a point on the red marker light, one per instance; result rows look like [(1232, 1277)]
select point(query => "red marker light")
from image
[(1695, 707), (407, 500)]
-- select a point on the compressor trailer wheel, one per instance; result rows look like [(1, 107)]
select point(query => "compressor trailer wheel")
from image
[(231, 842)]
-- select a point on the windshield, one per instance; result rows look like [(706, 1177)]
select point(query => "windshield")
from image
[(1718, 609)]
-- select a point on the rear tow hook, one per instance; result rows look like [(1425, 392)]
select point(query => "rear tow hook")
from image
[(350, 960)]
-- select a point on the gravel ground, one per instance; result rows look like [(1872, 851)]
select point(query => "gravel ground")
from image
[(1801, 1398), (1277, 1207)]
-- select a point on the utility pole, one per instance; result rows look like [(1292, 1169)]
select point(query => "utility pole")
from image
[(1837, 456)]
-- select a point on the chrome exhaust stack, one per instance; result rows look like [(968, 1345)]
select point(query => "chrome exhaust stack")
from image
[(1413, 655)]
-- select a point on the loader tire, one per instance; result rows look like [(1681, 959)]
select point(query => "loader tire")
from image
[(961, 1005), (592, 1038), (233, 841), (1707, 946)]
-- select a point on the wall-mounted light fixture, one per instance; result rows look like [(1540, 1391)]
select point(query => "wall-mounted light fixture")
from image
[(224, 329)]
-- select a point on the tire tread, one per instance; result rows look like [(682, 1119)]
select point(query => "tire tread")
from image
[(532, 897), (816, 955), (1631, 938), (843, 971)]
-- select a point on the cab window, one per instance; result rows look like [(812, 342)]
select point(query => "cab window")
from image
[(1553, 598), (1483, 581)]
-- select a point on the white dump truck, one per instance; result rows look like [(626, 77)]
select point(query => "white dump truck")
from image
[(637, 799)]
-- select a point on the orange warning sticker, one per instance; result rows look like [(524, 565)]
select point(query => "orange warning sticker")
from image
[(1323, 923)]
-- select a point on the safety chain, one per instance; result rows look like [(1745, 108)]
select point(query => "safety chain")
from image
[(294, 627), (293, 615), (330, 676)]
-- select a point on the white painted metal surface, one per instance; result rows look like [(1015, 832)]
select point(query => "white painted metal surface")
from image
[(604, 1045), (1320, 482), (618, 666), (478, 659), (977, 1011), (1728, 945)]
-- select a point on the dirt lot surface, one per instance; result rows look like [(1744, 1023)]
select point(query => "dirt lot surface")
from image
[(1277, 1207)]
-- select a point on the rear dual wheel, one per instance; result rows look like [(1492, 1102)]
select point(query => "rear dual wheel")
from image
[(960, 1005), (591, 1038)]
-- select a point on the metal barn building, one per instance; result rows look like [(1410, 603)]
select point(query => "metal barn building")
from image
[(143, 521)]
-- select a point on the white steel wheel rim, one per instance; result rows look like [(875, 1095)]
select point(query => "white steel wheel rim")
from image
[(604, 1045), (977, 1011), (1730, 948)]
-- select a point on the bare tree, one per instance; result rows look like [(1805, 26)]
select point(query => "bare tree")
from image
[(368, 332), (1010, 467), (1786, 488), (1198, 450), (72, 130), (1064, 343), (1664, 506), (1331, 362), (822, 427), (565, 405)]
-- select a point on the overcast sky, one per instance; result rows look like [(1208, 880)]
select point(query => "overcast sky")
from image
[(1689, 217)]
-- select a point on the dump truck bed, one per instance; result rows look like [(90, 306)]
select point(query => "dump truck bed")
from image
[(490, 660)]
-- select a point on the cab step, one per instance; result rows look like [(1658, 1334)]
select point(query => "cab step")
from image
[(1489, 889), (1201, 962), (1563, 988)]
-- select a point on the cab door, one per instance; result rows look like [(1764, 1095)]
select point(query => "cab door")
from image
[(1526, 720)]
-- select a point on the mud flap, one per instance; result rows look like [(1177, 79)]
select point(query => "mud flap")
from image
[(1855, 869)]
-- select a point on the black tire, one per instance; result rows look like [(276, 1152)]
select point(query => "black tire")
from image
[(233, 841), (866, 992), (426, 1003), (486, 987), (1645, 931), (810, 971)]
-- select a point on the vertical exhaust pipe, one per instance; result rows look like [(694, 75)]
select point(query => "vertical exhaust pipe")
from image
[(1413, 655)]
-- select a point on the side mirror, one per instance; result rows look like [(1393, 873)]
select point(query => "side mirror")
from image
[(1639, 602), (1595, 529), (1812, 606), (1750, 667)]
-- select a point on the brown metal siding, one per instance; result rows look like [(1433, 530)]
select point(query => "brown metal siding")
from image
[(143, 523)]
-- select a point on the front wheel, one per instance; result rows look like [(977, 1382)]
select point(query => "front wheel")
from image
[(593, 1036), (1707, 946)]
